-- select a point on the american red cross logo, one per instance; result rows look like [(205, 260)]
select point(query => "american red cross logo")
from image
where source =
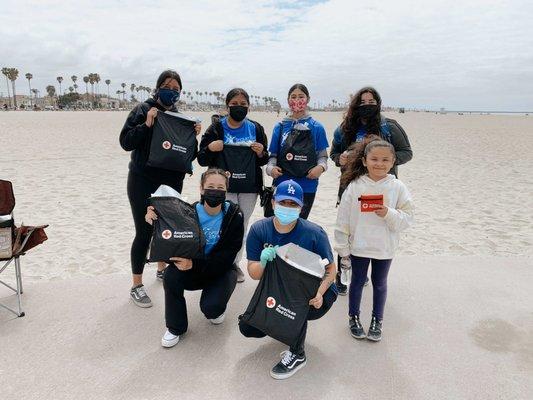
[(289, 156), (166, 145), (271, 302), (166, 234), (365, 205)]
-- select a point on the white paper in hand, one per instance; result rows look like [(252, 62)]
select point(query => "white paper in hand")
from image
[(167, 191)]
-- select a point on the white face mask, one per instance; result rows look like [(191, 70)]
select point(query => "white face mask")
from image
[(286, 215)]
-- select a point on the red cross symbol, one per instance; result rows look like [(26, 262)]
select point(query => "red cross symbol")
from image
[(271, 302), (166, 234)]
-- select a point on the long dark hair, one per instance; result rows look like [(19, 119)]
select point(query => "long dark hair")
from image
[(351, 123), (235, 92), (355, 167), (163, 76), (214, 171), (300, 86)]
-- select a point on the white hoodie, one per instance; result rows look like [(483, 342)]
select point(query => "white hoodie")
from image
[(365, 234)]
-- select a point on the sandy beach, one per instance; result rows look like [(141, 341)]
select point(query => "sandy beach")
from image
[(467, 271)]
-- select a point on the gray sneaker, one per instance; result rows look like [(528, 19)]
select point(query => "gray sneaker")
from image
[(139, 297), (240, 274)]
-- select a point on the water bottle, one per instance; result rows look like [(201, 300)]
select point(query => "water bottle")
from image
[(346, 270)]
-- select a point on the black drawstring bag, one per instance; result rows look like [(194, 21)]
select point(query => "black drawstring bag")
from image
[(240, 162), (177, 231), (173, 142), (280, 304), (298, 153)]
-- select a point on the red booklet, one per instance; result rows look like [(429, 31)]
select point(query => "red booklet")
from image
[(370, 201)]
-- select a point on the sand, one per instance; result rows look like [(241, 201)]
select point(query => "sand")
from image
[(465, 268)]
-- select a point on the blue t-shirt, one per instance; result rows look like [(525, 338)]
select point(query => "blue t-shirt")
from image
[(305, 234), (210, 225), (243, 134), (319, 138)]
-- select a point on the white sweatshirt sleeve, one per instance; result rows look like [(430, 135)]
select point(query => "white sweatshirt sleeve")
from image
[(402, 217), (342, 226)]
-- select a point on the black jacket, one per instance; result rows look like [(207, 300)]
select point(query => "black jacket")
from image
[(136, 137), (222, 256), (207, 158), (398, 138)]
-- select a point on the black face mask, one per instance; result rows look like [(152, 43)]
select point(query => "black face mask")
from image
[(367, 110), (238, 113), (213, 197)]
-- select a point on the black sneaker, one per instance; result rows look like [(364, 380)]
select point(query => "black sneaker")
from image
[(139, 297), (289, 364), (160, 275), (374, 332), (343, 289), (356, 329)]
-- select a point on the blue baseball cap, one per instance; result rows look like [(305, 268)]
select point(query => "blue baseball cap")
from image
[(289, 190)]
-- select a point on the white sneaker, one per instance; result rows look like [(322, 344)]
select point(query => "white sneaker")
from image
[(169, 339), (218, 320)]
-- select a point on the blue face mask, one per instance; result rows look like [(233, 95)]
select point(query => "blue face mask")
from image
[(286, 215), (168, 96)]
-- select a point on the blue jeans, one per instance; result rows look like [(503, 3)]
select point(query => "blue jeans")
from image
[(380, 270)]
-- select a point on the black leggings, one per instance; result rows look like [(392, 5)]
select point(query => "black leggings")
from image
[(139, 190)]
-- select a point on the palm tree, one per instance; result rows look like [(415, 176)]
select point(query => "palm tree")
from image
[(35, 94), (108, 82), (29, 77), (75, 87), (123, 84), (91, 81), (51, 90), (70, 89), (97, 79), (5, 71), (13, 75), (74, 78), (86, 80), (132, 88), (60, 79)]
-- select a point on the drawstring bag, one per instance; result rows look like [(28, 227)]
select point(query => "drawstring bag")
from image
[(280, 304), (298, 153), (177, 231), (240, 162), (173, 142)]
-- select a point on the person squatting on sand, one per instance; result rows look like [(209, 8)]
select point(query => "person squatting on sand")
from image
[(363, 118), (144, 180), (215, 274), (373, 210), (309, 144), (286, 227), (234, 142)]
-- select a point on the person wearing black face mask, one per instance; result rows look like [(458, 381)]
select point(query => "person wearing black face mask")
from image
[(362, 120), (143, 180), (234, 142), (222, 223)]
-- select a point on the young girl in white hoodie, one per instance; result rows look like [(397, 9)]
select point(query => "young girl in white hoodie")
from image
[(367, 228)]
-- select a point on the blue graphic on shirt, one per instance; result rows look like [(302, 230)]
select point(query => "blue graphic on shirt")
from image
[(210, 226), (244, 135)]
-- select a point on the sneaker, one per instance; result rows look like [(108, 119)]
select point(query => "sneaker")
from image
[(374, 332), (139, 297), (169, 339), (343, 289), (366, 281), (240, 274), (160, 275), (356, 329), (290, 363), (218, 320)]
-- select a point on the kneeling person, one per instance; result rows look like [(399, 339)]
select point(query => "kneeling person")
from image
[(215, 274), (286, 227)]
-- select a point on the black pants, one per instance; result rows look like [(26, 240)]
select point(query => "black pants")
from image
[(309, 199), (139, 190), (213, 301), (328, 300)]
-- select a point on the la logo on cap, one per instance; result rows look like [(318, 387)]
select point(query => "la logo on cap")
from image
[(291, 189)]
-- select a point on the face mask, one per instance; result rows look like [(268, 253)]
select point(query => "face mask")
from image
[(367, 110), (238, 113), (297, 105), (213, 197), (168, 96), (286, 215)]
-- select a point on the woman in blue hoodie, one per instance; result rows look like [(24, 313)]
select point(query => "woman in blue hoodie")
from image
[(288, 137)]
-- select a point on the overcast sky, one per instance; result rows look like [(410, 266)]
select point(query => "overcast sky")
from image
[(475, 55)]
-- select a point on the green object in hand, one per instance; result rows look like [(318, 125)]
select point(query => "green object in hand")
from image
[(267, 255)]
